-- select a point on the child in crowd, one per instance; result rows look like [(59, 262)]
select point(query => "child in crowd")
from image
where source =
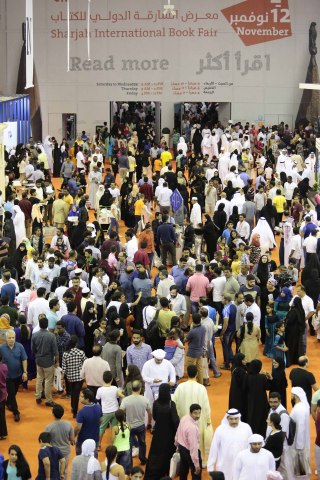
[(171, 343), (72, 261), (100, 334), (108, 394), (120, 435), (279, 346), (236, 265), (271, 320), (293, 271), (245, 257)]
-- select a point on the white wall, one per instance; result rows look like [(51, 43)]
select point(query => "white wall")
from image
[(254, 95)]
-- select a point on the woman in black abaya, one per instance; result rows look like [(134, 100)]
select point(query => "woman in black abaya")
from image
[(196, 140), (312, 263), (17, 260), (295, 328), (220, 218), (162, 445), (258, 406), (90, 322), (279, 381), (56, 154), (210, 236), (238, 386)]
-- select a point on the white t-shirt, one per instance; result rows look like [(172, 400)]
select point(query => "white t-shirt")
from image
[(109, 398), (80, 160), (218, 287), (296, 246), (310, 244)]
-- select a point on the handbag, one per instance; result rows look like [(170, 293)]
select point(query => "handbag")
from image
[(174, 465)]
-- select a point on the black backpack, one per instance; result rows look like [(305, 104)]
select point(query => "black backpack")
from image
[(152, 332), (292, 428)]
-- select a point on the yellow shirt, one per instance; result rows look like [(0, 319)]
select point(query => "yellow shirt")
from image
[(68, 199), (138, 207), (42, 158), (279, 202), (235, 267), (165, 157), (157, 165)]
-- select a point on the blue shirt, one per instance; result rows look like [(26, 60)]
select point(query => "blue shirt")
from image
[(308, 229), (139, 355), (89, 417), (226, 234), (52, 320), (74, 326), (244, 177), (196, 338), (13, 358), (166, 234), (230, 312), (54, 455), (9, 290), (179, 277)]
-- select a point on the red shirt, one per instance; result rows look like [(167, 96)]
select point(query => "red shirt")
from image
[(295, 211), (147, 191), (77, 299), (26, 207), (141, 256)]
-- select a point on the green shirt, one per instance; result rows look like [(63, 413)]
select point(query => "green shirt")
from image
[(164, 321)]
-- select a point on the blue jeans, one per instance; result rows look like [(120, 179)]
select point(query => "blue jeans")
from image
[(151, 255), (124, 459), (113, 223), (227, 339), (140, 433), (194, 306), (213, 362)]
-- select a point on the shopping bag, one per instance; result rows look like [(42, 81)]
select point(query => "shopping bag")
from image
[(205, 368), (57, 382), (156, 261), (174, 465)]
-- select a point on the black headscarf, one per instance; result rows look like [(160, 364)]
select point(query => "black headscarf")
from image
[(297, 305), (263, 272), (254, 367), (164, 394)]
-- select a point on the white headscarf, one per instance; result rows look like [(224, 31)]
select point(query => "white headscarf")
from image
[(256, 438), (299, 392), (266, 234), (232, 412), (87, 450)]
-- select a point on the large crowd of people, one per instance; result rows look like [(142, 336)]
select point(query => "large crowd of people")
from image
[(124, 261)]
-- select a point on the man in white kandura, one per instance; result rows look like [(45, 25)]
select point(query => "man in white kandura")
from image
[(230, 438), (255, 462), (300, 449), (267, 241), (156, 371), (195, 214)]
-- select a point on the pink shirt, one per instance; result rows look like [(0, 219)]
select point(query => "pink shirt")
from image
[(198, 285), (188, 436)]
